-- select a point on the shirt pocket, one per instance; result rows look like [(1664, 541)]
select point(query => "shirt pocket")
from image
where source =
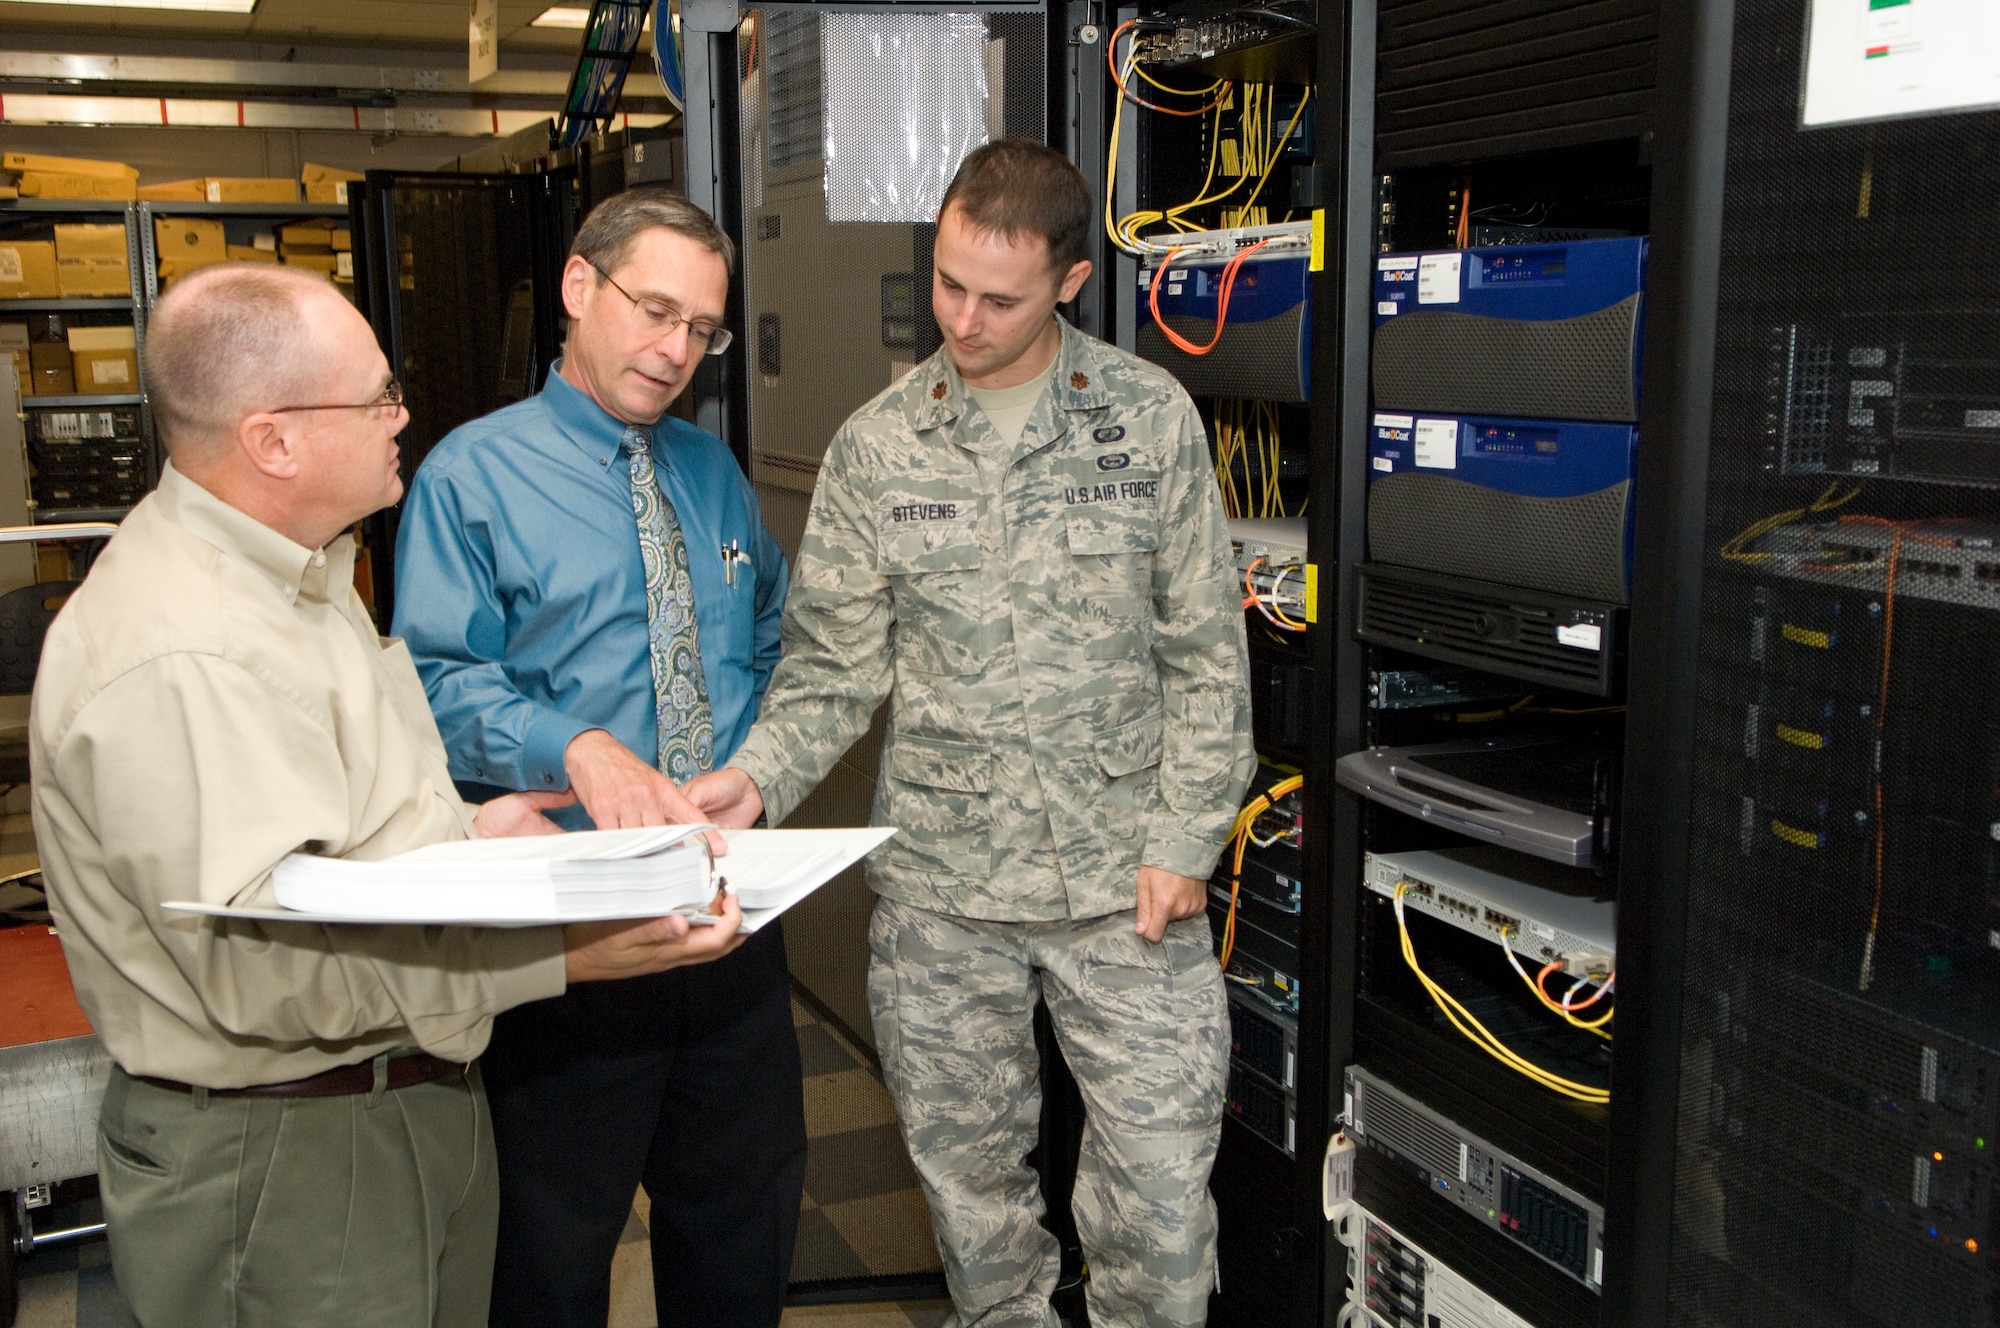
[(934, 569), (1112, 550), (937, 793)]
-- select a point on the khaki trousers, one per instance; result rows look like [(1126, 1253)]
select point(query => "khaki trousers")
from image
[(1145, 1030), (376, 1209)]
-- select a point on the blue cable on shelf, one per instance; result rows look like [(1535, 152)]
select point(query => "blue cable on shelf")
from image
[(610, 40), (667, 54)]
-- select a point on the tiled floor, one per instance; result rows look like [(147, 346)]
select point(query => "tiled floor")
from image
[(862, 1216)]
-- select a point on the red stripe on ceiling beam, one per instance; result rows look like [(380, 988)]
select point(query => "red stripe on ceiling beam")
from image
[(357, 117), (163, 110), (496, 122), (239, 115)]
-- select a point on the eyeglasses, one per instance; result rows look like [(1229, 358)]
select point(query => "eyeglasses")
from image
[(659, 319), (392, 395)]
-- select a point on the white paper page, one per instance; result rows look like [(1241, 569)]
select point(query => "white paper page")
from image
[(579, 846), (776, 867)]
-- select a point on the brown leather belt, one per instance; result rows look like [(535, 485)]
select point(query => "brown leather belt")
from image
[(405, 1071)]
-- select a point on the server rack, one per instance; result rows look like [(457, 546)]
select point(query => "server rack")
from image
[(1814, 1148)]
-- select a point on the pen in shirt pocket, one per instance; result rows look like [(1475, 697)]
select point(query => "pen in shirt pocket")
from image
[(732, 556)]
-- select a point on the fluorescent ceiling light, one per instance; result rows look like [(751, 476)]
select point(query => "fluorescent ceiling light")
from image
[(193, 6), (557, 16)]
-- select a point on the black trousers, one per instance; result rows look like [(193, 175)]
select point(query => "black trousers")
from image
[(686, 1082)]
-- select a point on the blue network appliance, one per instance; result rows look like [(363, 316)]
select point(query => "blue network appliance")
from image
[(1265, 351), (1527, 332), (1531, 503)]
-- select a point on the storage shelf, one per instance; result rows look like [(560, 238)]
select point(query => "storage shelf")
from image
[(75, 304), (166, 208), (81, 401), (93, 205)]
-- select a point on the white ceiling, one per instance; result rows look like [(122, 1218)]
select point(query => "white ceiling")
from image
[(377, 24)]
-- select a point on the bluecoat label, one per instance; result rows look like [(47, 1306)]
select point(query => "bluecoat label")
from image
[(1110, 433), (1114, 461)]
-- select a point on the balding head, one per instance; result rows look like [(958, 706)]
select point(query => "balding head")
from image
[(227, 341)]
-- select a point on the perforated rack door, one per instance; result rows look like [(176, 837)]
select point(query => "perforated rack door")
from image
[(1839, 1068)]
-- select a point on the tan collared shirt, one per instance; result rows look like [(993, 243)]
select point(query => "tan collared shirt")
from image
[(213, 698)]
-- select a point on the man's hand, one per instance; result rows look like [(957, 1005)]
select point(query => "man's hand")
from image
[(516, 814), (596, 951), (1165, 897), (727, 797), (621, 792)]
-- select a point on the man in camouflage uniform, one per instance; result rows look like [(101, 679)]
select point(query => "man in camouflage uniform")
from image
[(1022, 543)]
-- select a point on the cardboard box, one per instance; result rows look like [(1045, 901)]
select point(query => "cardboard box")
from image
[(250, 253), (176, 191), (105, 359), (91, 260), (31, 161), (342, 240), (251, 189), (326, 184), (55, 382), (28, 270), (343, 267), (91, 241), (326, 262), (186, 243), (77, 186), (316, 234), (93, 278)]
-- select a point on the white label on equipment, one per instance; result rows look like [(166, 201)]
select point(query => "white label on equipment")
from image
[(1385, 307), (1541, 931), (1382, 463), (1437, 444), (1437, 278), (1584, 636), (1396, 263), (1395, 421), (10, 265), (1982, 419)]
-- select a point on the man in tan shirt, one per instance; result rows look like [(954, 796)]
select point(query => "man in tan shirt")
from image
[(293, 1133)]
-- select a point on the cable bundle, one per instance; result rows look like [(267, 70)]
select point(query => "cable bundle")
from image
[(1241, 836), (1479, 1035), (1261, 149)]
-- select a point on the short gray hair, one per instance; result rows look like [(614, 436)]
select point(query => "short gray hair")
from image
[(226, 341), (606, 237)]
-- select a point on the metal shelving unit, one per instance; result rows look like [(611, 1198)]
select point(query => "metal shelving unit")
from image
[(155, 207), (82, 401), (74, 304)]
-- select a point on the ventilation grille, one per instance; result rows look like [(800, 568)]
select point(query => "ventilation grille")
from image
[(1265, 360), (1572, 546), (1580, 368), (1386, 1119), (1495, 628), (1463, 80)]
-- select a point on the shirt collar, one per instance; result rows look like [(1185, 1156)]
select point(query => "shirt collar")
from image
[(292, 569), (936, 395), (598, 433)]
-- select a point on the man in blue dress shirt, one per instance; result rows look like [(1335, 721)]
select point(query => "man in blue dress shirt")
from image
[(593, 603)]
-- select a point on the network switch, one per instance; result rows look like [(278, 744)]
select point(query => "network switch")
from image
[(1547, 914)]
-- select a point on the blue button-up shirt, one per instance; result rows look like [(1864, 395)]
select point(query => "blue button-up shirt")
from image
[(520, 591)]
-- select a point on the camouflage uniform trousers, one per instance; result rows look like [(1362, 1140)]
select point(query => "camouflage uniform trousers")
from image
[(1145, 1030)]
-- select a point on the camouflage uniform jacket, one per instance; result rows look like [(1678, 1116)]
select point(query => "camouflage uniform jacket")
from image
[(1059, 627)]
